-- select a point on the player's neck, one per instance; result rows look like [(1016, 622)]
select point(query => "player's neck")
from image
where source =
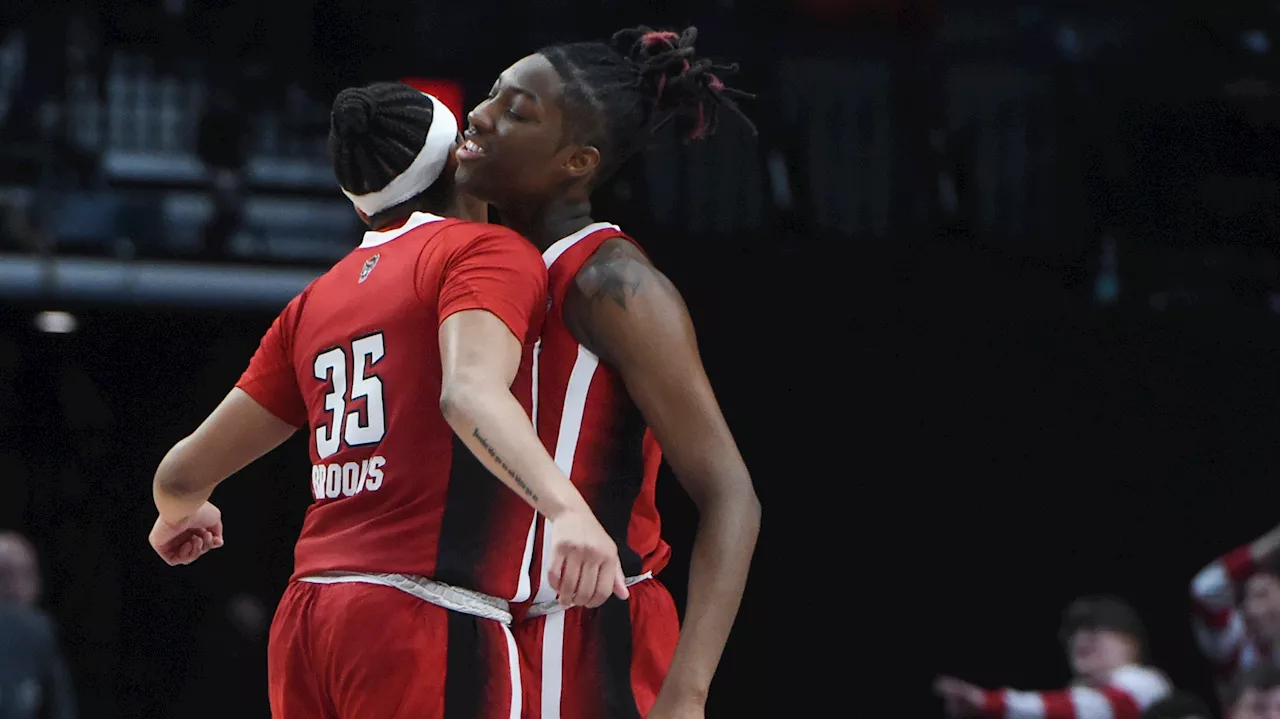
[(465, 207), (544, 226), (461, 207)]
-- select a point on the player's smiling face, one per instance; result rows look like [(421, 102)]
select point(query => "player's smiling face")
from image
[(515, 149)]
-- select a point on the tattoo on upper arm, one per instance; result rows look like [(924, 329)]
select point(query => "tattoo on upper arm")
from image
[(612, 274), (510, 472), (616, 272)]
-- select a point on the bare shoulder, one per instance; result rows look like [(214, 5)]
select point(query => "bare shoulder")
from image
[(619, 303), (617, 272)]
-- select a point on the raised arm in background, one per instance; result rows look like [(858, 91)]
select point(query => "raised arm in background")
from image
[(1129, 692), (1216, 592)]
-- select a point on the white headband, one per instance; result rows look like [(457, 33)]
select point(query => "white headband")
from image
[(424, 170)]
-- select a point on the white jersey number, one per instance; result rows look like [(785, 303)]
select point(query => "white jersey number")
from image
[(331, 367)]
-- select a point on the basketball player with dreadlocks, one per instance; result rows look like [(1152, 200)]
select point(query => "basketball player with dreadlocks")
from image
[(410, 362), (618, 374)]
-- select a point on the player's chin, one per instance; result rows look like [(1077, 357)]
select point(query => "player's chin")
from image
[(470, 182)]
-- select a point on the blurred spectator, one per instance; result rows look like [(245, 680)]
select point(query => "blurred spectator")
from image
[(1179, 705), (1236, 600), (1255, 694), (1105, 642), (33, 675), (19, 571)]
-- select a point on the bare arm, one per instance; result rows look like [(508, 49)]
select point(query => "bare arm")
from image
[(480, 357), (237, 432), (634, 319), (1265, 547)]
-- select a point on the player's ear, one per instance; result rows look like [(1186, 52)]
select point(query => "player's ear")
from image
[(582, 162)]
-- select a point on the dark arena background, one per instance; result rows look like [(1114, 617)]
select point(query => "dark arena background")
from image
[(1020, 261)]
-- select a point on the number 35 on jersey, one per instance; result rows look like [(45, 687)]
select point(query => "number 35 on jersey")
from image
[(350, 376)]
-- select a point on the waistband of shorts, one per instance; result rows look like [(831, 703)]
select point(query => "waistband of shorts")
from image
[(542, 609), (457, 599)]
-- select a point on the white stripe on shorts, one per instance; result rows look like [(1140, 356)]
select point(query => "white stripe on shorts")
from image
[(552, 664), (513, 663)]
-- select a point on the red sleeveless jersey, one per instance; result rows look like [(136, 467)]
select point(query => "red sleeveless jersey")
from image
[(355, 358), (591, 427)]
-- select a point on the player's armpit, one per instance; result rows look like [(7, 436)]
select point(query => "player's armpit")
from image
[(237, 432), (634, 319)]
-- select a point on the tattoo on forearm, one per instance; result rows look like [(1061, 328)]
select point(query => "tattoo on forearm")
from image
[(510, 472)]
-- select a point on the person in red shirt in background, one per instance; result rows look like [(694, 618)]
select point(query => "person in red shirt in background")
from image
[(410, 363), (1105, 643), (620, 381), (1236, 608)]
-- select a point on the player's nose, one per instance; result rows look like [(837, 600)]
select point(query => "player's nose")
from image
[(478, 120)]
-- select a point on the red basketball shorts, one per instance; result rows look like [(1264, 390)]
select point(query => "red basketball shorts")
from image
[(603, 663), (354, 650)]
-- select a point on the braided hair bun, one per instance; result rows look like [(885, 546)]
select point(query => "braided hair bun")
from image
[(375, 133)]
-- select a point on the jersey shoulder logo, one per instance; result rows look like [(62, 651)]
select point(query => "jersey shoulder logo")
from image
[(369, 264)]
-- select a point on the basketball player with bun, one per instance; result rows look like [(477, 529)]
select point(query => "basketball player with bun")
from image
[(619, 374), (409, 363)]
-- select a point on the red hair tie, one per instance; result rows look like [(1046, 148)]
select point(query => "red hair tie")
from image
[(654, 38)]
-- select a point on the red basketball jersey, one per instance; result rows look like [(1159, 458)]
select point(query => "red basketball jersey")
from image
[(589, 424), (356, 359)]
